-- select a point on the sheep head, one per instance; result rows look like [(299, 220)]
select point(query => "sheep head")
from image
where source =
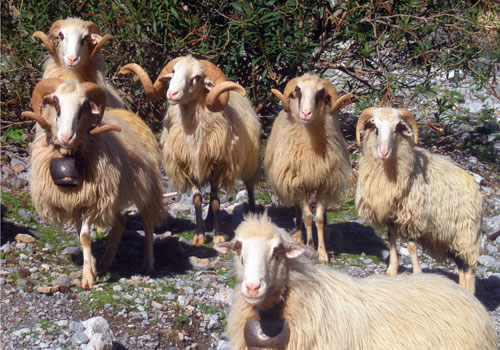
[(189, 78), (72, 41), (261, 251), (386, 124), (305, 97), (66, 109)]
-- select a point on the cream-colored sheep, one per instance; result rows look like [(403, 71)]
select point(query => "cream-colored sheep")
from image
[(74, 46), (210, 135), (306, 154), (119, 167), (283, 298), (417, 195)]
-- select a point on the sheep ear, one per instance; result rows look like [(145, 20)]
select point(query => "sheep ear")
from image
[(95, 39), (209, 84), (404, 129), (166, 78), (293, 251), (224, 247)]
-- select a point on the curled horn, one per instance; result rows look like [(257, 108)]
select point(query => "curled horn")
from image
[(363, 118), (96, 94), (216, 101), (339, 103), (43, 88), (104, 128), (332, 94), (285, 97), (410, 119), (101, 42), (92, 27), (48, 39), (152, 91)]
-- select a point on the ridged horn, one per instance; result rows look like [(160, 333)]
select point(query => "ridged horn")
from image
[(408, 117), (97, 95), (37, 118), (98, 46), (42, 89), (215, 74), (216, 98), (92, 27), (366, 115), (46, 41), (331, 91), (339, 103), (289, 88), (104, 128)]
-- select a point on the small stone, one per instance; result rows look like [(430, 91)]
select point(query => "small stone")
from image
[(491, 249), (79, 338), (46, 289), (24, 238), (224, 345), (71, 251), (6, 248), (488, 261), (99, 342), (199, 264), (21, 331), (62, 323), (97, 325), (21, 245), (158, 306), (242, 196), (25, 216)]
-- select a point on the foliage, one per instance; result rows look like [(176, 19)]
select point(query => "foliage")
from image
[(385, 50)]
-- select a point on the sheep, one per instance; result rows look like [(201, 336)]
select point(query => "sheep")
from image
[(210, 133), (283, 300), (417, 195), (119, 167), (306, 152), (73, 46)]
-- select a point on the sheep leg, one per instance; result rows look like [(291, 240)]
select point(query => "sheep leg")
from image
[(251, 196), (469, 277), (393, 255), (320, 225), (412, 248), (308, 220), (199, 232), (89, 263), (148, 264), (215, 202), (298, 225), (115, 236)]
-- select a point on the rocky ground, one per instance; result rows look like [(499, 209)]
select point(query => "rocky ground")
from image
[(185, 303)]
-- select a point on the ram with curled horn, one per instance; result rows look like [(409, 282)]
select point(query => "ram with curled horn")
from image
[(210, 133), (74, 49), (419, 196), (84, 174), (306, 152)]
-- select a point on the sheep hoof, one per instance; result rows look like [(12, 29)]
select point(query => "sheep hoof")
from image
[(88, 279), (323, 257), (219, 239), (298, 237), (199, 239)]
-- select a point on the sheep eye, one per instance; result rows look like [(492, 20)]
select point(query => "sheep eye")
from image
[(298, 93), (195, 80), (237, 248), (278, 251), (61, 36), (241, 260)]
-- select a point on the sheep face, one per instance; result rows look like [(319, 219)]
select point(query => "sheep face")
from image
[(74, 43), (187, 81), (65, 109), (382, 131), (308, 101)]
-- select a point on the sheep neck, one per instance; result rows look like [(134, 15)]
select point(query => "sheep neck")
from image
[(316, 134), (188, 111)]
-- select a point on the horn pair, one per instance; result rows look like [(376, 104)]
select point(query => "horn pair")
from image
[(49, 40), (48, 86), (336, 103), (217, 98), (404, 114)]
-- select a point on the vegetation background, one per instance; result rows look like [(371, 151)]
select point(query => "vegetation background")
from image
[(386, 51)]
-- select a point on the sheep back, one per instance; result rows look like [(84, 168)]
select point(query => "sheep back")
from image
[(221, 147), (329, 310), (298, 162), (425, 197), (119, 169)]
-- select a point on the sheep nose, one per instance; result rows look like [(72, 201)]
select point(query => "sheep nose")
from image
[(306, 114), (253, 287), (172, 94), (65, 138), (384, 153), (72, 59)]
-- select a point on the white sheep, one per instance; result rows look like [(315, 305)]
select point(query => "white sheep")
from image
[(417, 195), (283, 300), (119, 168), (210, 133), (73, 46), (306, 153)]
